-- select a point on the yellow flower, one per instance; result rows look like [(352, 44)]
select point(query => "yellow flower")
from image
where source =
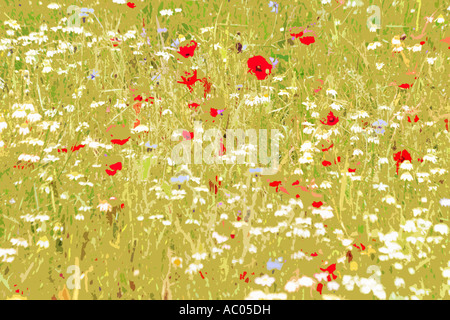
[(43, 242), (178, 262)]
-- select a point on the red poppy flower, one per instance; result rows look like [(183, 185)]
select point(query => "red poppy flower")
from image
[(76, 148), (330, 269), (193, 105), (189, 81), (307, 40), (120, 142), (317, 204), (319, 288), (351, 170), (259, 66), (416, 118), (297, 35), (401, 156), (111, 172), (188, 50), (188, 135), (116, 166), (326, 163), (131, 5), (405, 86), (331, 119), (213, 112), (275, 184)]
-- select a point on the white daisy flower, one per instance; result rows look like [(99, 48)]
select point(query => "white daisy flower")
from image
[(166, 12), (388, 199), (19, 114), (445, 202), (441, 228), (265, 280), (406, 176), (431, 60), (43, 242), (19, 242), (380, 187), (406, 165), (53, 6), (105, 206), (305, 281), (379, 65)]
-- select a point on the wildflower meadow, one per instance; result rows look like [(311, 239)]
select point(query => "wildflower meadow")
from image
[(186, 150)]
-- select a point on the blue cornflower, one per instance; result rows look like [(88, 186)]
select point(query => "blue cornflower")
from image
[(84, 12), (274, 61), (277, 264), (93, 75), (176, 43), (274, 6), (379, 126)]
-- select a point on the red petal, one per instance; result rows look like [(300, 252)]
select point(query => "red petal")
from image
[(319, 288), (307, 40), (188, 51), (317, 204), (116, 166), (275, 183), (120, 142), (111, 172)]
